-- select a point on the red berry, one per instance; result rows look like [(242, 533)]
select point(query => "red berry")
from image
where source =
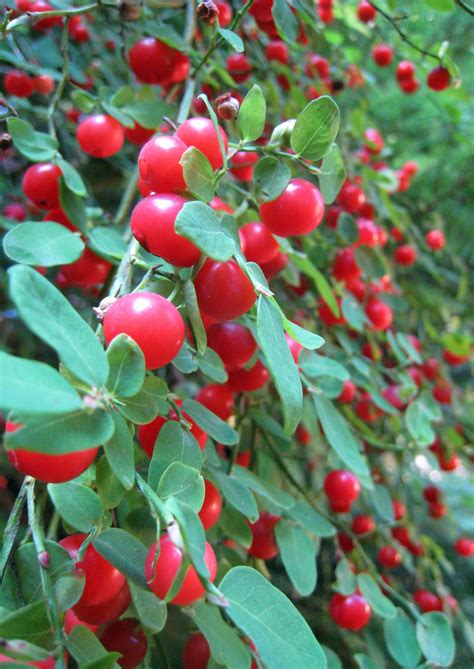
[(14, 211), (351, 197), (409, 86), (345, 267), (211, 507), (46, 467), (464, 547), (239, 67), (427, 601), (435, 239), (264, 545), (223, 290), (430, 368), (365, 12), (405, 255), (225, 17), (399, 509), (342, 488), (297, 211), (138, 134), (439, 78), (148, 433), (159, 165), (442, 392), (246, 380), (350, 612), (437, 510), (392, 395), (88, 272), (200, 133), (346, 543), (373, 140), (453, 359), (273, 267), (405, 70), (366, 409), (363, 524), (49, 22), (326, 314), (154, 62), (389, 557), (71, 621), (40, 184), (241, 165), (233, 343), (78, 31), (261, 10), (379, 314), (258, 243), (196, 653), (294, 346), (100, 136), (278, 50), (348, 392), (110, 609), (161, 577), (382, 55), (43, 84), (331, 216), (19, 84), (218, 399), (153, 225), (368, 233), (431, 494), (151, 321), (125, 637), (219, 205)]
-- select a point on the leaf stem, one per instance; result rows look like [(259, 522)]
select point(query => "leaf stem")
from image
[(65, 72)]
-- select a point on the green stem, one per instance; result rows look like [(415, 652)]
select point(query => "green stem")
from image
[(46, 583), (65, 72), (153, 500), (34, 17), (11, 528)]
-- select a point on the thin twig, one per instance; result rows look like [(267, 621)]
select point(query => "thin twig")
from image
[(466, 8), (65, 73), (11, 529), (37, 16)]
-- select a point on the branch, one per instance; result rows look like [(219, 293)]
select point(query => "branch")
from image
[(404, 37), (36, 16), (60, 88), (466, 8)]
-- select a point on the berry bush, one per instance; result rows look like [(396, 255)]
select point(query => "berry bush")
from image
[(237, 334)]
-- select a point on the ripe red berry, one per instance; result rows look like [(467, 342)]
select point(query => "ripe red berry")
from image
[(439, 78), (138, 135), (346, 544), (225, 14), (345, 267), (373, 140), (326, 314), (363, 524), (427, 601), (258, 243), (405, 70), (46, 23), (278, 50), (342, 488), (247, 380), (264, 544), (261, 10), (159, 165), (160, 577), (297, 211), (100, 136), (399, 509), (382, 55), (88, 272), (242, 164), (78, 30), (379, 314), (46, 467), (367, 410), (151, 321), (19, 84), (351, 197), (442, 392), (348, 392), (317, 66), (437, 510), (464, 547), (40, 184), (431, 368), (365, 12), (15, 211), (44, 84), (273, 267), (350, 612), (331, 216), (153, 225), (233, 343), (294, 346), (389, 557), (405, 255), (148, 433), (368, 233), (200, 133), (196, 653), (111, 609), (125, 637), (218, 399), (435, 239), (223, 290), (154, 62), (239, 67), (71, 620), (431, 494), (454, 359), (211, 507)]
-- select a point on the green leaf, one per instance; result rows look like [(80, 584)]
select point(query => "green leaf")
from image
[(198, 174), (311, 520), (382, 502), (316, 128), (119, 452), (29, 623), (418, 418), (174, 444), (346, 581), (44, 244), (108, 487), (365, 662), (270, 178), (149, 114), (58, 434), (118, 114), (36, 146), (374, 596), (151, 611), (353, 312), (347, 228), (298, 554), (184, 483), (370, 262), (407, 346), (28, 568), (237, 494), (280, 362), (192, 533), (33, 387), (201, 225), (400, 637), (72, 178), (285, 21), (212, 425), (107, 242), (67, 591), (84, 101), (281, 635), (232, 38), (333, 662), (227, 649), (52, 318), (84, 646), (332, 174), (77, 504), (251, 118), (194, 315), (320, 281), (73, 206), (266, 489), (440, 5), (435, 636), (339, 436), (147, 403), (234, 525), (125, 552), (211, 366), (126, 367), (315, 365)]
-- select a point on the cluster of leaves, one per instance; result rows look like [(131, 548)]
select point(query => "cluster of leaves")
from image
[(100, 396)]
